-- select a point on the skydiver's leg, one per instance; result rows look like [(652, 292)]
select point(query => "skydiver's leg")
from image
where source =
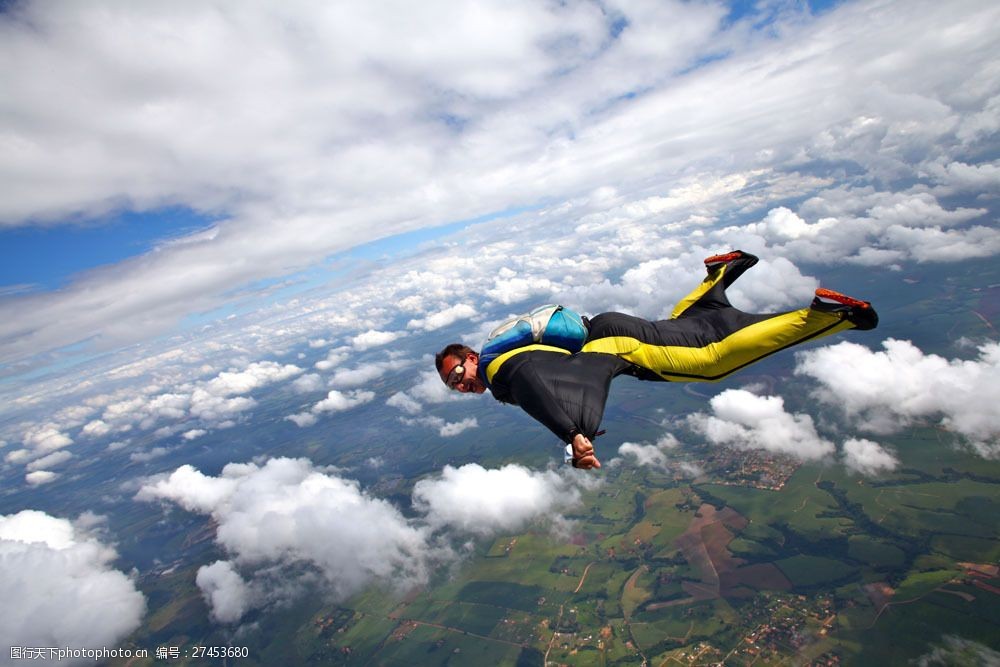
[(723, 270), (708, 339)]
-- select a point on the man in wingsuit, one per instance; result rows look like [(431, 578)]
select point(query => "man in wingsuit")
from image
[(705, 340)]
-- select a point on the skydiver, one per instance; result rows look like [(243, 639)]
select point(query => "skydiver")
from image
[(705, 340)]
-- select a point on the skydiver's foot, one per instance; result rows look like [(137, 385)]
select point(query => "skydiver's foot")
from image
[(736, 262), (857, 312)]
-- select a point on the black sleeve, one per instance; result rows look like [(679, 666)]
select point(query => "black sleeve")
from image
[(566, 393), (535, 397)]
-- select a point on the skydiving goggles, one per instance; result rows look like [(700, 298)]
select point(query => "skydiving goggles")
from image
[(455, 376)]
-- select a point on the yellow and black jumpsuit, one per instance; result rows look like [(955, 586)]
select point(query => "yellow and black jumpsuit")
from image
[(705, 340)]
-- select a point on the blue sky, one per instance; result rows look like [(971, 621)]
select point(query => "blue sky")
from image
[(47, 257)]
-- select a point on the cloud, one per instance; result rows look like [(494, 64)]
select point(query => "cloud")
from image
[(337, 401), (430, 389), (481, 501), (405, 402), (360, 375), (289, 514), (373, 338), (883, 391), (893, 227), (509, 288), (39, 477), (252, 377), (145, 457), (443, 318), (67, 593), (303, 419), (452, 429), (308, 383), (652, 455), (445, 429), (227, 594), (333, 358), (53, 459), (868, 458), (744, 420), (46, 438), (954, 650)]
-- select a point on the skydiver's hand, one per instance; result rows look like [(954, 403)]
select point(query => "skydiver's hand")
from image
[(583, 453)]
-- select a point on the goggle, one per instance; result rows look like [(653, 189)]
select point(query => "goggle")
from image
[(455, 376)]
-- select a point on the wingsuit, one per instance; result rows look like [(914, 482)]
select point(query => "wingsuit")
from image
[(705, 340)]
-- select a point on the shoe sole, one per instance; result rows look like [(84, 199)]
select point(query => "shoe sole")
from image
[(721, 259), (843, 299)]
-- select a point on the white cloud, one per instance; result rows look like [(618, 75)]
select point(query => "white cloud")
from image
[(337, 401), (288, 514), (430, 389), (892, 227), (46, 438), (452, 429), (226, 593), (67, 593), (445, 429), (404, 402), (443, 318), (308, 383), (193, 434), (39, 477), (644, 455), (360, 375), (744, 420), (212, 408), (867, 457), (53, 459), (654, 455), (96, 428), (252, 377), (373, 338), (303, 419), (952, 649), (509, 288), (333, 358), (885, 390), (482, 501), (146, 456)]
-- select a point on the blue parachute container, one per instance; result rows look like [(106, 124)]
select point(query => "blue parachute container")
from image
[(547, 325)]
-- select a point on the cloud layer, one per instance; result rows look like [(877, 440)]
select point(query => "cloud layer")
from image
[(611, 120)]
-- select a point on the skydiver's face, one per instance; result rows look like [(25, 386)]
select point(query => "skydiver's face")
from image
[(462, 374)]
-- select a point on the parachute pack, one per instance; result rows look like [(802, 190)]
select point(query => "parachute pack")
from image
[(549, 325)]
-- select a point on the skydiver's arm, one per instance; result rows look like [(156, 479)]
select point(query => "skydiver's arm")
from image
[(530, 392), (565, 393)]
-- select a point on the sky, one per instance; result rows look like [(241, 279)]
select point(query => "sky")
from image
[(193, 192)]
